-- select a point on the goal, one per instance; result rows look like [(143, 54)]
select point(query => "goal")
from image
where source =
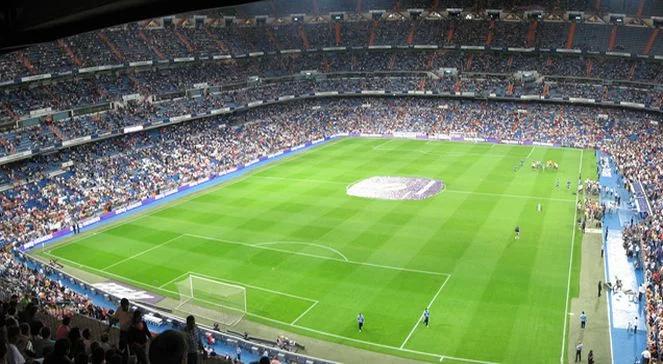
[(212, 300)]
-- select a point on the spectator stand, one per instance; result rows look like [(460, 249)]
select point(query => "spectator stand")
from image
[(224, 344), (623, 303)]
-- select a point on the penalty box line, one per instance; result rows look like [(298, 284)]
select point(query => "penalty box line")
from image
[(420, 316), (291, 324)]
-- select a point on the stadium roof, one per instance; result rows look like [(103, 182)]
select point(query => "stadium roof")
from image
[(26, 22)]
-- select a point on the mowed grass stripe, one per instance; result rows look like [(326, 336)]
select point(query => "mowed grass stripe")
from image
[(498, 288)]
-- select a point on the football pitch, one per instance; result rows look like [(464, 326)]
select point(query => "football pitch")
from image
[(312, 257)]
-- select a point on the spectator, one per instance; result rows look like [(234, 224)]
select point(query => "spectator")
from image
[(169, 348), (194, 342), (138, 337)]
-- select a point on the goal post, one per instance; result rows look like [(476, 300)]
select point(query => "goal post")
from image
[(210, 299)]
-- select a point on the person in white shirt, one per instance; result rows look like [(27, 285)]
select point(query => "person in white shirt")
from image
[(14, 355)]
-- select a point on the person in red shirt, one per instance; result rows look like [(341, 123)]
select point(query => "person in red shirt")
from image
[(63, 330)]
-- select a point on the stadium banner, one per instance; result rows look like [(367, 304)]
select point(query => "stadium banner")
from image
[(94, 220), (269, 156), (478, 48), (16, 156), (425, 46), (298, 147), (519, 49), (370, 135), (88, 69), (327, 49), (526, 142), (380, 47), (42, 76), (491, 140), (176, 119), (254, 103), (130, 97), (56, 173), (128, 207), (632, 104), (222, 56), (405, 134), (325, 93), (567, 50), (286, 97), (132, 129), (40, 112), (32, 243), (263, 158), (658, 57), (619, 54), (543, 144), (509, 141), (530, 97), (225, 110), (164, 194), (256, 54), (140, 63), (372, 92), (457, 138), (580, 99), (422, 136), (184, 59), (286, 51)]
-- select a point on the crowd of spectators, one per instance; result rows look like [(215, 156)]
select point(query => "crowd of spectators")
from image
[(118, 171), (47, 196), (43, 321), (171, 99), (185, 37)]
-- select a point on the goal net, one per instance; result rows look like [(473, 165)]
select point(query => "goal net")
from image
[(212, 300)]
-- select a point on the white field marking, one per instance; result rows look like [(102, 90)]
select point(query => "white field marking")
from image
[(180, 200), (222, 280), (304, 313), (175, 279), (568, 282), (445, 189), (509, 195), (305, 328), (425, 188), (319, 256), (455, 358), (305, 243), (419, 318), (141, 253), (530, 153)]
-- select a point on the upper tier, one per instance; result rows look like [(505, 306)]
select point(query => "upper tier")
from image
[(170, 38)]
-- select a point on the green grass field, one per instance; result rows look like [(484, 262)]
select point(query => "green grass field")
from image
[(312, 258)]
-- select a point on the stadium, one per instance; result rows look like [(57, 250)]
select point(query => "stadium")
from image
[(332, 181)]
